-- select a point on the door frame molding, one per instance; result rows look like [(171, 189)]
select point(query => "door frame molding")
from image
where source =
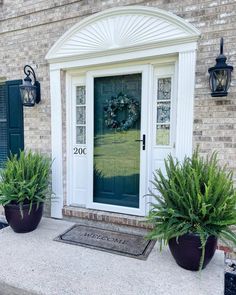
[(146, 92), (185, 98), (184, 48)]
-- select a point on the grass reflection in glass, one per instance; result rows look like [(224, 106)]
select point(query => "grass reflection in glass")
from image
[(117, 153)]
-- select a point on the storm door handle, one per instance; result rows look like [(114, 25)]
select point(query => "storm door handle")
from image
[(143, 141)]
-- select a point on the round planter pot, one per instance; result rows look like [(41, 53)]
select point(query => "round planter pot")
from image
[(29, 222), (187, 250)]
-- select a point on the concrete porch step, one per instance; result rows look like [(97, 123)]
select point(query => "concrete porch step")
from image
[(33, 263)]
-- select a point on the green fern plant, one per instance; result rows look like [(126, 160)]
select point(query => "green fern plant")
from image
[(25, 179), (195, 196)]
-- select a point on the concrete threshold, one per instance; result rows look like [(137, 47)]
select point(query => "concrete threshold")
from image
[(34, 264)]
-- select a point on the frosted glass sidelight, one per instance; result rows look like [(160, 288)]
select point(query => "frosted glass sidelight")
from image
[(80, 95), (164, 89), (163, 134), (163, 112), (80, 135), (80, 115), (163, 119)]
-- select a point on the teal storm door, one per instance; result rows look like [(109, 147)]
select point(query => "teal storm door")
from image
[(117, 113)]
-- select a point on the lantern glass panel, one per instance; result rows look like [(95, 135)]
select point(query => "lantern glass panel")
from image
[(219, 80), (28, 94)]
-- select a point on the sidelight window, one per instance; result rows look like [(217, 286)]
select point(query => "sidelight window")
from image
[(163, 111), (80, 115)]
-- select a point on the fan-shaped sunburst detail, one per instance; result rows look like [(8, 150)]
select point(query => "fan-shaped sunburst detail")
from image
[(126, 29)]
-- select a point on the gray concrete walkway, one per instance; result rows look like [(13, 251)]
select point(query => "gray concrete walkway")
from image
[(33, 263)]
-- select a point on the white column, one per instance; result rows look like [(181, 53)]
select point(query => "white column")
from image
[(56, 138), (186, 84)]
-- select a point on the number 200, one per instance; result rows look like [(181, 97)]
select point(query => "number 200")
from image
[(80, 151)]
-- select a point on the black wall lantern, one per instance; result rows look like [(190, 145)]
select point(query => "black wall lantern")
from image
[(220, 74), (30, 93)]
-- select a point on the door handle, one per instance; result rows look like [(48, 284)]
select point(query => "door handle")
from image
[(143, 141)]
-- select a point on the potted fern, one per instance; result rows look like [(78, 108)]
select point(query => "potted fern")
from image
[(24, 189), (195, 204)]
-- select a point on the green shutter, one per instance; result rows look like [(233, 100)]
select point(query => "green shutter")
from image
[(3, 125), (15, 117)]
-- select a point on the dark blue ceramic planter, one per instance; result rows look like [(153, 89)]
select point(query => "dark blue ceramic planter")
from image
[(187, 250), (29, 222)]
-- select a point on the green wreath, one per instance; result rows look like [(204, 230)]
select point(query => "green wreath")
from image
[(120, 103)]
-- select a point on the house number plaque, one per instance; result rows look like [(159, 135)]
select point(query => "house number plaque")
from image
[(80, 151)]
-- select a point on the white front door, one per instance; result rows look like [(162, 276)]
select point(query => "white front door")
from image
[(113, 155)]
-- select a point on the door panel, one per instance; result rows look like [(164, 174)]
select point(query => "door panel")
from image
[(116, 153)]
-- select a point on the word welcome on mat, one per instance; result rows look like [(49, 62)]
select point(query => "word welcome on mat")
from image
[(132, 245)]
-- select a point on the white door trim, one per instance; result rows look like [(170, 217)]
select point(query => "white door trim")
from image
[(185, 97), (68, 137), (145, 102), (184, 48), (56, 142), (186, 83)]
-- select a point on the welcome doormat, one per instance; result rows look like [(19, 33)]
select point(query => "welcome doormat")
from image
[(116, 242)]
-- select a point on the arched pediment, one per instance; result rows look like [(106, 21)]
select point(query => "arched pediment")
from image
[(124, 28)]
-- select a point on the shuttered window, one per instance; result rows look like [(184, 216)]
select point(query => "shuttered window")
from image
[(11, 120), (3, 125)]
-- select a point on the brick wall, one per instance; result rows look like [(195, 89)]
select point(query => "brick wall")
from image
[(29, 28)]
